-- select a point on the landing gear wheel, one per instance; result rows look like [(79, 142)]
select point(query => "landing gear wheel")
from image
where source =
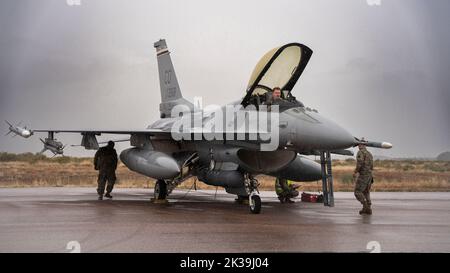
[(255, 204), (160, 191), (251, 187)]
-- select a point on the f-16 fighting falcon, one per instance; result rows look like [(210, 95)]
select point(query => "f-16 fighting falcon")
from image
[(229, 146)]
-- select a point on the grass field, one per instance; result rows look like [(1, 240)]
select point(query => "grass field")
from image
[(29, 170)]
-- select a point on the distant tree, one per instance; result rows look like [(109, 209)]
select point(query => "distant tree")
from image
[(445, 156)]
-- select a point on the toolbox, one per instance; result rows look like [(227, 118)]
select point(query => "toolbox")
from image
[(312, 197)]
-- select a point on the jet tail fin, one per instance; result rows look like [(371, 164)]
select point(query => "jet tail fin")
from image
[(170, 89), (8, 122)]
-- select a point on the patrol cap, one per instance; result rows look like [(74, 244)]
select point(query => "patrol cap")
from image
[(361, 142)]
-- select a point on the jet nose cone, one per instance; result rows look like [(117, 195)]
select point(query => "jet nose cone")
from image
[(319, 133), (342, 138)]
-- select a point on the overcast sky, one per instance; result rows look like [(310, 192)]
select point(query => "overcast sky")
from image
[(382, 71)]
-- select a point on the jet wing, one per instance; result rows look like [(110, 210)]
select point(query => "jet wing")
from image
[(151, 132), (89, 140), (138, 137)]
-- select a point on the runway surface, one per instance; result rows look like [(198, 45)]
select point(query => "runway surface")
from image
[(47, 219)]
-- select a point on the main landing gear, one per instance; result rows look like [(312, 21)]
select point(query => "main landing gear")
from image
[(160, 192)]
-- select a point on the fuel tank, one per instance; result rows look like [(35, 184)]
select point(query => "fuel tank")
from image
[(227, 179), (150, 163), (248, 160), (300, 169)]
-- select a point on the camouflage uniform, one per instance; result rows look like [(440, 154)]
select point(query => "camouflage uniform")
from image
[(105, 161), (364, 167)]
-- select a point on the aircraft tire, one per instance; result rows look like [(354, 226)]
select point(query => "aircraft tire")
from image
[(255, 204), (160, 191)]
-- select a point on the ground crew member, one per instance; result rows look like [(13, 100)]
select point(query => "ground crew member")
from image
[(364, 167), (285, 189), (105, 161)]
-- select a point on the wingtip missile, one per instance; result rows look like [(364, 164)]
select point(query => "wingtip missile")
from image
[(54, 146), (19, 131), (382, 145)]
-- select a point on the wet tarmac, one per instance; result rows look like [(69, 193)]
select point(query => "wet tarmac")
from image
[(65, 219)]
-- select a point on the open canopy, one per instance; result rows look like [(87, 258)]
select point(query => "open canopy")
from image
[(280, 67)]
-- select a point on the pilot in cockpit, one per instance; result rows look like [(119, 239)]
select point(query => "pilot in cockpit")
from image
[(276, 94), (273, 97)]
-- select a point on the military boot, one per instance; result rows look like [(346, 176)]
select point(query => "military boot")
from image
[(366, 209), (100, 197), (107, 195), (369, 210), (363, 211)]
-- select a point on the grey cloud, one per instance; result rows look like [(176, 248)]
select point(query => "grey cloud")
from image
[(381, 72)]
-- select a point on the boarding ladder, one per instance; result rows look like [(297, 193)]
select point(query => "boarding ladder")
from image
[(327, 179)]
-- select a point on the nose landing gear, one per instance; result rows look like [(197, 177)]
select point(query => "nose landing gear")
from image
[(254, 201)]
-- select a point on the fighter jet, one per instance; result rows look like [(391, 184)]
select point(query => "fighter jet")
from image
[(17, 130), (228, 146)]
